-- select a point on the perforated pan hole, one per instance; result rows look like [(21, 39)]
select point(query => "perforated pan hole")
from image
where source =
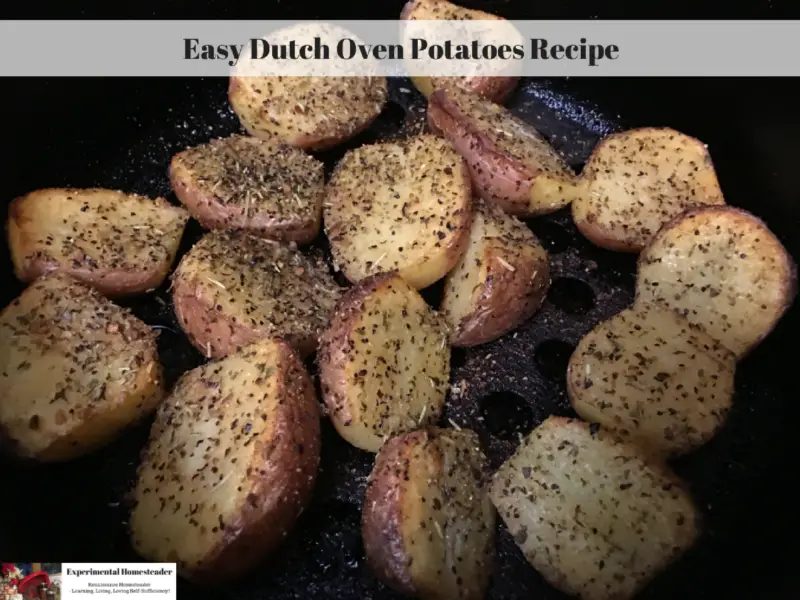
[(506, 415), (571, 295), (551, 358)]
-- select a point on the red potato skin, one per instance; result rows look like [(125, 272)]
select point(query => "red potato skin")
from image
[(210, 331), (598, 237), (314, 142), (212, 213), (495, 177), (790, 285), (285, 473), (517, 295), (332, 355), (408, 7), (496, 89), (119, 282), (382, 516)]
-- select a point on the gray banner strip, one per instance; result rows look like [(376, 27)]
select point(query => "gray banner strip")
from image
[(545, 48)]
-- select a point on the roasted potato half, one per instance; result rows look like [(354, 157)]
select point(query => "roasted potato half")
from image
[(654, 378), (428, 524), (116, 242), (384, 362), (594, 517), (76, 370), (232, 289), (510, 163), (500, 281), (723, 270), (496, 89), (638, 180), (314, 113), (240, 182), (230, 464), (402, 206)]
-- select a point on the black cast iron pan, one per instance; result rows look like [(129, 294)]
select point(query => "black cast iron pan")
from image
[(121, 133)]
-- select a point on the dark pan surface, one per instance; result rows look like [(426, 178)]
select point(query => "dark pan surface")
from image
[(77, 511)]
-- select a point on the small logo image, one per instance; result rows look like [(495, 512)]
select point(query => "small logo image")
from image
[(30, 581)]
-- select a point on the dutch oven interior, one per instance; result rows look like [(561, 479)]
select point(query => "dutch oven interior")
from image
[(121, 133)]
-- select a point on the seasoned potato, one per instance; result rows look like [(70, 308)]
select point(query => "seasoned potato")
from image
[(722, 269), (651, 376), (118, 243), (638, 180), (499, 282), (231, 463), (402, 206), (314, 113), (496, 89), (511, 164), (270, 190), (76, 370), (589, 513), (232, 289), (428, 523), (384, 362)]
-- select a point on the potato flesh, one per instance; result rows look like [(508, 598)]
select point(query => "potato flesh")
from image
[(653, 378), (207, 457), (399, 206), (464, 284), (395, 370), (76, 369), (264, 285), (451, 546), (261, 185), (638, 180), (723, 270), (89, 232), (437, 10), (313, 112), (589, 513), (498, 243), (432, 482)]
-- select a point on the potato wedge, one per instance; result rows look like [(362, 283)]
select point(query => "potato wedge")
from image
[(496, 89), (384, 362), (589, 513), (638, 180), (313, 113), (116, 242), (240, 182), (723, 270), (232, 289), (500, 281), (230, 464), (510, 163), (654, 378), (402, 206), (76, 370), (428, 524)]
